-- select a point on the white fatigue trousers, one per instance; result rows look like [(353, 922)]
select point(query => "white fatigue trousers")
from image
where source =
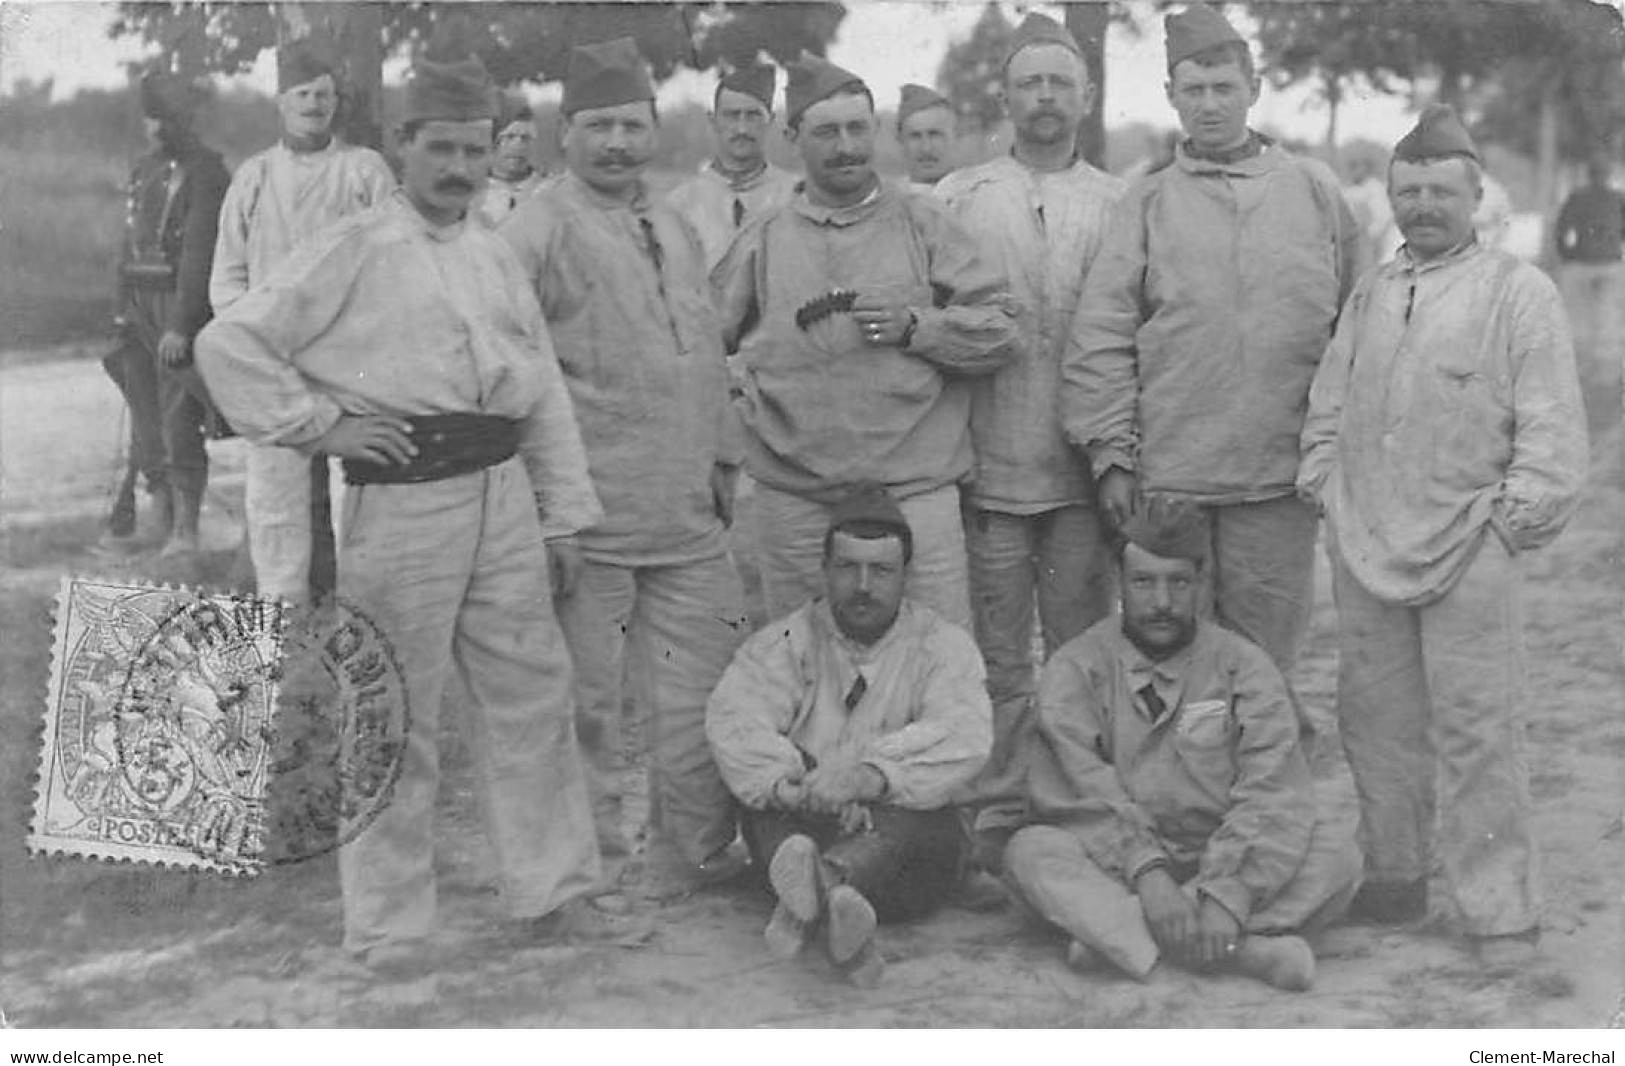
[(674, 629), (454, 572), (1059, 881), (1429, 704), (790, 551), (277, 509)]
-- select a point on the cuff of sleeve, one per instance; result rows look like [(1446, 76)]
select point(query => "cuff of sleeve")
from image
[(324, 415), (1230, 894), (887, 784), (927, 331), (1104, 459), (1142, 861)]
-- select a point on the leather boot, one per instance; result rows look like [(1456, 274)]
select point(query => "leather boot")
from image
[(183, 536), (120, 532)]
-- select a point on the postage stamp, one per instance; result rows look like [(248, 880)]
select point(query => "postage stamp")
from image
[(215, 732), (158, 719)]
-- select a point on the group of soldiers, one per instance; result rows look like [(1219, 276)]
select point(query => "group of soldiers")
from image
[(976, 414)]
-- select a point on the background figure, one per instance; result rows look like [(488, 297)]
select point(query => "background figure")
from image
[(1034, 537), (1367, 196), (1445, 440), (737, 184), (514, 177), (925, 130), (622, 282), (163, 298), (1588, 236), (278, 199)]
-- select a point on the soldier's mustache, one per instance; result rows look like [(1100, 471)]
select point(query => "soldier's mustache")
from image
[(454, 185), (848, 160)]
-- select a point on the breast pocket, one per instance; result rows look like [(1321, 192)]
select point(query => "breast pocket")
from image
[(1202, 737)]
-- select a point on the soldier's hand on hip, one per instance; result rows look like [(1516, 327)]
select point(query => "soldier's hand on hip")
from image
[(563, 566), (1117, 491), (173, 349), (371, 438)]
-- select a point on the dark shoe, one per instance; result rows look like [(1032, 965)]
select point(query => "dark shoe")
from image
[(980, 893), (1389, 903), (578, 922), (851, 924)]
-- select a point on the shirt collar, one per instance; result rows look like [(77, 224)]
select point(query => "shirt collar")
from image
[(1409, 264), (637, 205), (849, 215), (1168, 672), (402, 204), (739, 182), (1247, 157)]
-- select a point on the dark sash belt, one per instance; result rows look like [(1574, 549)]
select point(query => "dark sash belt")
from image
[(448, 446)]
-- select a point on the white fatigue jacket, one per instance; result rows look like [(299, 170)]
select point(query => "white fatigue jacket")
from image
[(386, 313), (1044, 229), (1218, 780), (1448, 402), (279, 198), (707, 200), (921, 715), (500, 197)]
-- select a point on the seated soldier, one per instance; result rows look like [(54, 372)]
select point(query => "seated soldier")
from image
[(843, 728), (1179, 816)]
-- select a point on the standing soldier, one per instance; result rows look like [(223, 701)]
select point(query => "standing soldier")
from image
[(1202, 320), (514, 177), (1446, 440), (925, 130), (862, 306), (163, 300), (406, 341), (277, 200), (738, 184), (622, 283), (1031, 527)]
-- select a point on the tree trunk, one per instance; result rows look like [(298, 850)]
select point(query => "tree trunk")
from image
[(1334, 101), (355, 31), (1087, 20), (1546, 145)]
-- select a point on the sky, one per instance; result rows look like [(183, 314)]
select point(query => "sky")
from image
[(888, 42)]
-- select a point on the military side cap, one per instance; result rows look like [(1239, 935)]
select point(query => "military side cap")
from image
[(1438, 133), (868, 506), (459, 91), (303, 60), (1196, 29), (918, 98), (512, 107), (1038, 28), (169, 97), (1169, 529), (606, 74), (758, 81), (814, 78)]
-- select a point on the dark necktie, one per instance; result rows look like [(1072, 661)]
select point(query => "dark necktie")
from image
[(855, 693), (739, 212), (1153, 702)]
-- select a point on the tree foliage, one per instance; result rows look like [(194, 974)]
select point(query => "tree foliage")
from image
[(971, 70), (1487, 55), (517, 41)]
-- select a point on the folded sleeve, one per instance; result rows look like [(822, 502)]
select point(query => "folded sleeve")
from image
[(952, 736), (1100, 367), (971, 327), (1318, 441), (1541, 489), (750, 713)]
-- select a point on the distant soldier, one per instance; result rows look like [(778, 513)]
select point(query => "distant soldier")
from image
[(1590, 237), (622, 282), (514, 176), (1446, 441), (163, 300), (1200, 327), (925, 129), (863, 307), (1033, 533), (278, 199), (738, 184)]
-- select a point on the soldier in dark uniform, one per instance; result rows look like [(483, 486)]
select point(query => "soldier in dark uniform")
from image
[(163, 300)]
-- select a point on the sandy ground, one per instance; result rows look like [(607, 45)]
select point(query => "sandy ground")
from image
[(94, 944)]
